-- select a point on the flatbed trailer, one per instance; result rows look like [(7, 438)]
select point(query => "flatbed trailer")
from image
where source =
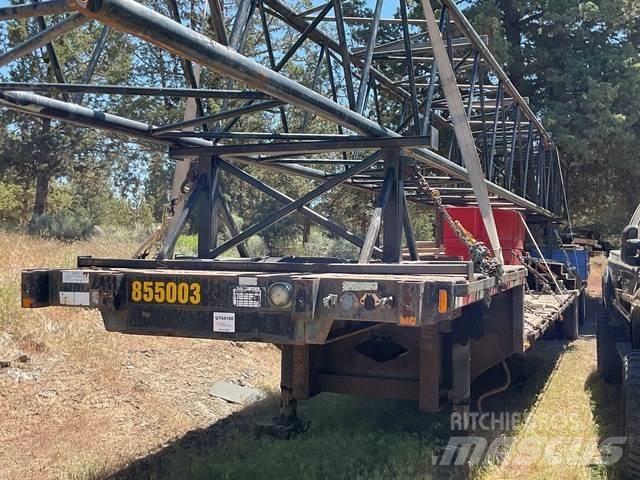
[(414, 330), (427, 119)]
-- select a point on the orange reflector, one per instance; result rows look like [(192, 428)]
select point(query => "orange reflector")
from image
[(27, 303), (443, 301), (408, 320)]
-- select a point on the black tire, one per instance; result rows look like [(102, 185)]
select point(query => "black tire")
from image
[(582, 308), (631, 414), (608, 292), (608, 361), (635, 328), (569, 325)]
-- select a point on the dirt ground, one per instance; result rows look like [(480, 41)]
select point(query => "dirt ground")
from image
[(85, 401), (61, 416)]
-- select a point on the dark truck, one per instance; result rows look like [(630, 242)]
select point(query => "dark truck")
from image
[(618, 334)]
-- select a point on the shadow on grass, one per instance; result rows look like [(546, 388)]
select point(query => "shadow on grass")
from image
[(605, 397), (349, 437), (605, 405), (352, 437)]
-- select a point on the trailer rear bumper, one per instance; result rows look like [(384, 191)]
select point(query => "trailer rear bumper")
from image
[(274, 307)]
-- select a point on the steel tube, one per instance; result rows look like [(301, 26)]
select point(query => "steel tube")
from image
[(131, 90), (134, 18), (93, 63), (376, 219), (43, 37), (53, 7), (40, 106), (364, 78), (215, 117), (217, 21), (53, 56)]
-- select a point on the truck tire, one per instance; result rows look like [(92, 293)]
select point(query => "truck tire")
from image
[(582, 308), (608, 362), (635, 327), (631, 414), (569, 325), (608, 291)]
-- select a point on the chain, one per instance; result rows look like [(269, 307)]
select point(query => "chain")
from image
[(545, 283), (480, 255)]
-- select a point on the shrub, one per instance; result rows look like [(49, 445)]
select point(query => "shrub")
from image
[(63, 226), (15, 204)]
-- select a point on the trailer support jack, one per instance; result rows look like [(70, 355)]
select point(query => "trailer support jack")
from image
[(287, 424)]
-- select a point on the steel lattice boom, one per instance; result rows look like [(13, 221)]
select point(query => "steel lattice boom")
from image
[(393, 105)]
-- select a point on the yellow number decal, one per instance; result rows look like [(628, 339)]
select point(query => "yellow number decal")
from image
[(172, 292), (136, 290), (147, 291), (183, 293), (159, 292), (165, 292), (195, 293)]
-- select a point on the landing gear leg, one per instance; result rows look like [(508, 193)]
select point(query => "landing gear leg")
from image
[(287, 424), (460, 393), (294, 373)]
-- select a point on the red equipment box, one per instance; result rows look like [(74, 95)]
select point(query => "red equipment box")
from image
[(510, 231)]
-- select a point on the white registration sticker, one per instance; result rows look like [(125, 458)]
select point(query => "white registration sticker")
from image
[(74, 298), (359, 286), (224, 322), (75, 276), (248, 297)]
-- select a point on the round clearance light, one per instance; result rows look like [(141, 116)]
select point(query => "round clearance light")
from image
[(279, 295)]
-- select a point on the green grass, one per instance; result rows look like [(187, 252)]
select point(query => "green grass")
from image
[(82, 468), (187, 245), (348, 438)]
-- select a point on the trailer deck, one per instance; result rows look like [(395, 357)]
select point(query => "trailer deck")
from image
[(174, 300), (542, 311), (368, 330)]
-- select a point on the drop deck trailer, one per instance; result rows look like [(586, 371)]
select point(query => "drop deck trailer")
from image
[(428, 118), (414, 330)]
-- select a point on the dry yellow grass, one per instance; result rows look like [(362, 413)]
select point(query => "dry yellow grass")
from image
[(94, 401), (74, 332), (560, 439)]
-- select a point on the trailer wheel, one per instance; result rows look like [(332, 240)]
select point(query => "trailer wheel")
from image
[(607, 358), (582, 307), (631, 414), (569, 326)]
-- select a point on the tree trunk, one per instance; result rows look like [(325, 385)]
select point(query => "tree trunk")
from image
[(43, 172), (513, 32), (42, 193), (306, 230)]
